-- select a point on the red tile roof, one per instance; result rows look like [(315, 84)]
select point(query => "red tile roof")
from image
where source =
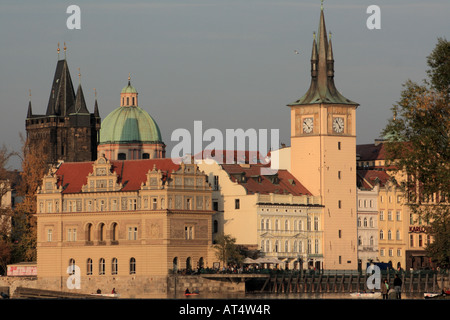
[(254, 182), (370, 152), (367, 179), (131, 173)]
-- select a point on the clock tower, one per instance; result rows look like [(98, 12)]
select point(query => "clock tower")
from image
[(323, 153)]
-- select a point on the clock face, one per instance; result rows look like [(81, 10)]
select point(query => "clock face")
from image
[(338, 124), (308, 125)]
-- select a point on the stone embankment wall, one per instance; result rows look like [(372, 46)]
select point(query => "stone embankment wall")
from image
[(130, 287)]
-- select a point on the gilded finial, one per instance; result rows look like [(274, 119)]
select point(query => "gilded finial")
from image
[(329, 34), (129, 77), (95, 93), (321, 5), (58, 50), (79, 75), (65, 48), (314, 35), (29, 90)]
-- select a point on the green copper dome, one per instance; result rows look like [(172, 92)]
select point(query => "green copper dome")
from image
[(129, 89), (129, 124)]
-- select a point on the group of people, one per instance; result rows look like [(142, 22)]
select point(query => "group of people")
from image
[(397, 287)]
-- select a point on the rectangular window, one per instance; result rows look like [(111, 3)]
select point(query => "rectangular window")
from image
[(132, 204), (398, 215), (340, 234), (215, 206), (50, 235), (72, 234), (189, 232), (339, 204), (339, 175), (132, 233), (411, 240), (390, 215), (154, 203), (381, 215), (236, 204), (216, 183), (339, 145)]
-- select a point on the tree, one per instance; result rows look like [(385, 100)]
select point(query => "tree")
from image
[(418, 148), (226, 250), (34, 167)]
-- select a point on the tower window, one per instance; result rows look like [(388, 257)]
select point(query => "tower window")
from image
[(339, 175), (122, 156), (339, 204), (236, 204), (128, 101), (133, 101), (339, 145)]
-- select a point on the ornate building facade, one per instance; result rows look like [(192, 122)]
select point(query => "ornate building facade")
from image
[(131, 220)]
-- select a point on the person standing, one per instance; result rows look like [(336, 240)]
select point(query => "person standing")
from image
[(385, 289), (398, 286)]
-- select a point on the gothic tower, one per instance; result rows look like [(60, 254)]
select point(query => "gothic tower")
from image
[(71, 132), (323, 153)]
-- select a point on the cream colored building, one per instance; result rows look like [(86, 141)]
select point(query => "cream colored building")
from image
[(123, 219), (274, 213)]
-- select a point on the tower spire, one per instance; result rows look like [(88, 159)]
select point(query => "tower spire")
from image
[(322, 88)]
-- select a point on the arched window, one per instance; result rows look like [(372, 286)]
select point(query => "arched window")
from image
[(89, 232), (114, 266), (286, 225), (371, 240), (267, 224), (188, 264), (175, 264), (201, 263), (132, 266), (316, 223), (114, 232), (381, 235), (72, 266), (359, 241), (101, 266), (286, 246), (359, 222), (365, 222), (89, 266), (262, 224), (101, 232), (128, 101), (389, 235)]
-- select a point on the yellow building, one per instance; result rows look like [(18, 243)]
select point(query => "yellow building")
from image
[(128, 220), (402, 235), (323, 153)]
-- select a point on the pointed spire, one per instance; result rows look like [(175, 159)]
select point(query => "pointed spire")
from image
[(322, 88), (80, 103), (30, 112), (314, 57), (62, 94), (96, 112)]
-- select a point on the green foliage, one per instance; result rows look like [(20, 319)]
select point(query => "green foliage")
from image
[(418, 147), (226, 250)]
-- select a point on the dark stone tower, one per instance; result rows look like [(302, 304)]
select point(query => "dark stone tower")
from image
[(71, 131)]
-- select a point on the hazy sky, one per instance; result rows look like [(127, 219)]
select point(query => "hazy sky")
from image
[(228, 63)]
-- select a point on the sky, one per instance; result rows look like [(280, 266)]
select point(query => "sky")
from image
[(228, 63)]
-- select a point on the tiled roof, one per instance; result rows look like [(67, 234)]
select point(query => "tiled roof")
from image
[(131, 173), (367, 179), (370, 152), (283, 182)]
